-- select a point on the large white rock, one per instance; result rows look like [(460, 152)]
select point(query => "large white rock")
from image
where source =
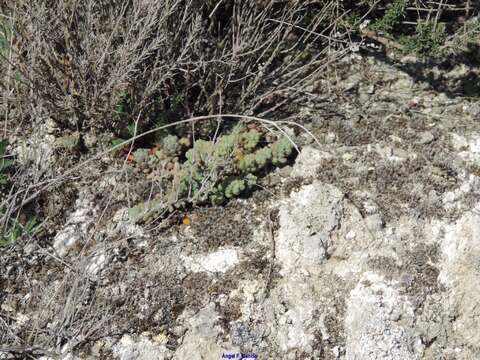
[(141, 348), (77, 225), (202, 339), (309, 162), (307, 219), (460, 273), (371, 323), (217, 262)]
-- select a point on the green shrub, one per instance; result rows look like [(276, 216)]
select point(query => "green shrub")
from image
[(16, 229), (392, 17), (428, 40), (436, 33)]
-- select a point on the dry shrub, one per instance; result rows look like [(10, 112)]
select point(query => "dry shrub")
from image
[(80, 59)]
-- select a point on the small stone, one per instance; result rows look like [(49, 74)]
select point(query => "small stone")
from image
[(433, 197), (425, 138), (409, 59), (50, 126), (364, 99), (89, 140), (370, 207), (395, 314), (400, 153), (7, 308), (405, 83), (238, 218), (350, 235), (22, 319), (395, 139), (459, 142), (458, 72), (352, 82), (331, 137), (217, 262), (419, 347), (473, 110), (29, 249), (412, 103), (436, 110), (160, 338), (285, 171), (97, 264), (309, 161), (274, 179), (370, 89), (374, 222), (449, 197), (336, 352)]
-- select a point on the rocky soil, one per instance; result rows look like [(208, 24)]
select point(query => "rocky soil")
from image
[(366, 247)]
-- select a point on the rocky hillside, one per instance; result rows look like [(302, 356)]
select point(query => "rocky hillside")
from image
[(365, 247)]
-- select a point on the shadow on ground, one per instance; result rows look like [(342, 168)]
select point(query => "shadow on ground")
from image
[(467, 85)]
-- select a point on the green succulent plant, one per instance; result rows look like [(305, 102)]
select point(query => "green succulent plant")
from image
[(145, 210), (226, 168), (170, 145), (215, 171), (428, 40), (141, 156), (281, 150)]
